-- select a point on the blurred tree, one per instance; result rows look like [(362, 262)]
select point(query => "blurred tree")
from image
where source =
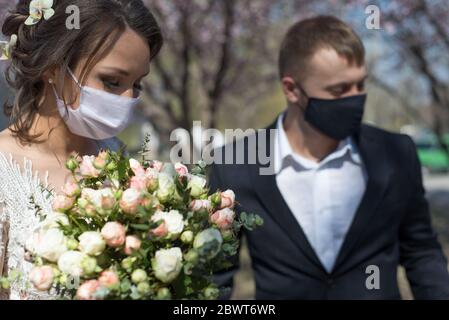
[(214, 50), (219, 64), (417, 33)]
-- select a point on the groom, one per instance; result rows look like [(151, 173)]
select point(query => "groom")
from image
[(344, 204)]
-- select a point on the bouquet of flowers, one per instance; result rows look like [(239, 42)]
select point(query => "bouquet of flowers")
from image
[(128, 229)]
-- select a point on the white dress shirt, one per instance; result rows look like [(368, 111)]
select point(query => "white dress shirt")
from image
[(322, 196)]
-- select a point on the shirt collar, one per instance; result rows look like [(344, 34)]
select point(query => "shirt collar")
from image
[(283, 150)]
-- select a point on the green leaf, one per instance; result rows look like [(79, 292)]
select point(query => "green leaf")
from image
[(250, 221), (4, 283), (123, 167), (230, 249), (135, 295), (125, 285), (179, 286), (141, 227)]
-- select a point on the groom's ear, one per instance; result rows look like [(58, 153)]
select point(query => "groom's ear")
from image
[(290, 90)]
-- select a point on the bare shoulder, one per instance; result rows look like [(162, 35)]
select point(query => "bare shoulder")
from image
[(6, 140), (8, 143)]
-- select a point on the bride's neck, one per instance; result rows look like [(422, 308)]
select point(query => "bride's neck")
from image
[(54, 135)]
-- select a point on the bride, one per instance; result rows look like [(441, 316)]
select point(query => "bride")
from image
[(75, 89)]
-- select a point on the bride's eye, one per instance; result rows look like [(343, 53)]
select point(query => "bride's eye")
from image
[(111, 84)]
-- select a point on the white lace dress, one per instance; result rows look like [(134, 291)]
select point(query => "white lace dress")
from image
[(21, 190)]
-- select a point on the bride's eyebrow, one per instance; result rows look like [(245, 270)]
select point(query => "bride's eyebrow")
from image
[(124, 72), (119, 70)]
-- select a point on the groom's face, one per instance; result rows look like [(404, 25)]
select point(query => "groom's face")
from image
[(327, 76)]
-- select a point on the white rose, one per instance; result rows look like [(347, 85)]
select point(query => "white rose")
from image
[(53, 220), (89, 194), (32, 242), (95, 196), (131, 199), (51, 244), (70, 263), (130, 195), (174, 221), (197, 185), (209, 236), (167, 264), (152, 173), (92, 243), (166, 187)]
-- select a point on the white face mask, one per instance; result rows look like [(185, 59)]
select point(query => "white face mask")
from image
[(100, 115)]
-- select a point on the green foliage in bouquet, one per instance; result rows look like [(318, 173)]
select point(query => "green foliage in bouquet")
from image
[(124, 229)]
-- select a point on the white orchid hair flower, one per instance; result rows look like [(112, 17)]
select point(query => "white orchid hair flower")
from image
[(6, 47), (39, 9)]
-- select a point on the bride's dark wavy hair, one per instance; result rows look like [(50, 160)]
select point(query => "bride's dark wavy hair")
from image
[(49, 43)]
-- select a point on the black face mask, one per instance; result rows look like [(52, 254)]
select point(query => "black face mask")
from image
[(336, 118)]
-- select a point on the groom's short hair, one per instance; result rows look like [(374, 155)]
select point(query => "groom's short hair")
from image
[(306, 37)]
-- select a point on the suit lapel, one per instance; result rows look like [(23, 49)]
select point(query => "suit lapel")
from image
[(269, 194), (378, 171)]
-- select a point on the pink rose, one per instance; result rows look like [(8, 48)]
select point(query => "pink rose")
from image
[(181, 169), (42, 277), (139, 183), (152, 173), (136, 167), (114, 234), (130, 201), (149, 202), (87, 168), (200, 205), (108, 279), (227, 199), (223, 218), (157, 165), (62, 203), (132, 243), (90, 210), (87, 290), (161, 230), (107, 201), (101, 160), (71, 189), (152, 176)]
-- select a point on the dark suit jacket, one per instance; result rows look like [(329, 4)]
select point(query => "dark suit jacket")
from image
[(392, 226)]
